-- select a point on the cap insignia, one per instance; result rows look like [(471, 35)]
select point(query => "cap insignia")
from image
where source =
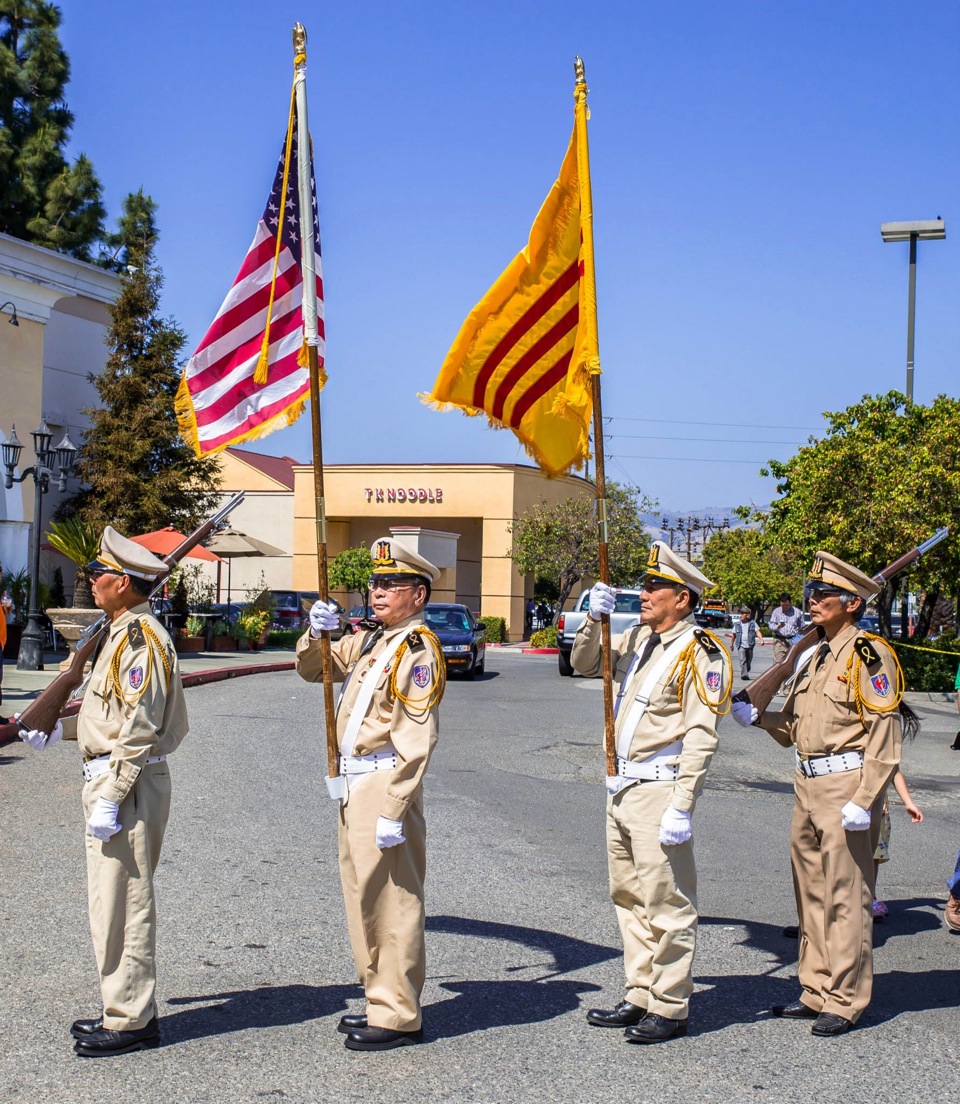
[(384, 556), (654, 558), (816, 572)]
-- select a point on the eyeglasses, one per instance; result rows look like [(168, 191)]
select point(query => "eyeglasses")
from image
[(96, 575), (391, 582), (821, 594), (656, 584)]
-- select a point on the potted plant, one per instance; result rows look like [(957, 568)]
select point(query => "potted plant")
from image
[(220, 638), (252, 628), (190, 637), (78, 541), (16, 585)]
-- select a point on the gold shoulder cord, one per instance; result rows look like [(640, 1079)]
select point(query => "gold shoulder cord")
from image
[(685, 665), (433, 696), (153, 642), (857, 670)]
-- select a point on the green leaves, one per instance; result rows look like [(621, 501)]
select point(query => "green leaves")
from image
[(351, 570)]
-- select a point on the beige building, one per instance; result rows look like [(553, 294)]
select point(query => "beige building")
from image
[(62, 310), (458, 515)]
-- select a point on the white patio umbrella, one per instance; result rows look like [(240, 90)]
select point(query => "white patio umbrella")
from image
[(231, 543)]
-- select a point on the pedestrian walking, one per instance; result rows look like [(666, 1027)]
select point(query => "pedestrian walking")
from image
[(842, 716), (673, 682), (387, 728), (786, 622), (132, 718), (746, 636)]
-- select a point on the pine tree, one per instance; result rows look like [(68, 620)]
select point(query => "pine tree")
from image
[(43, 199), (137, 473)]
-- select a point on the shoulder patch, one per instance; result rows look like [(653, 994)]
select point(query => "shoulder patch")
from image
[(866, 651), (705, 642), (415, 641), (135, 637)]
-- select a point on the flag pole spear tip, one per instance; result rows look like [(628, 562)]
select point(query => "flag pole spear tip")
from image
[(578, 70), (299, 39)]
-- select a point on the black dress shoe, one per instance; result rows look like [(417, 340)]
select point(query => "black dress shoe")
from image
[(80, 1029), (104, 1043), (381, 1038), (351, 1023), (623, 1015), (795, 1011), (830, 1024), (655, 1029)]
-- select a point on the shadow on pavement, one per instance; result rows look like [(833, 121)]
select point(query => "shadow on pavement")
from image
[(480, 1005), (267, 1006)]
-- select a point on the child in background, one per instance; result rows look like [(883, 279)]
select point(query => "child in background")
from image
[(882, 853)]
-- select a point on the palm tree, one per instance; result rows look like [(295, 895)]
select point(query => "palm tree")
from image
[(78, 541)]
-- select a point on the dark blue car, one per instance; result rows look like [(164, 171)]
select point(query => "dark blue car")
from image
[(461, 636)]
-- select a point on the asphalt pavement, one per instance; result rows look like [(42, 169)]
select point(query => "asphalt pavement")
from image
[(255, 965)]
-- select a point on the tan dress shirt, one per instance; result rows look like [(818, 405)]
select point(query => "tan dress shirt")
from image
[(665, 719), (820, 715), (140, 714), (411, 728)]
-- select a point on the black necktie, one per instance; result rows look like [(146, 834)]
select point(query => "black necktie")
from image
[(652, 641)]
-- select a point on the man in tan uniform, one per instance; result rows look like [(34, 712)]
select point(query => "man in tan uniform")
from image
[(841, 715), (132, 717), (672, 683), (387, 726)]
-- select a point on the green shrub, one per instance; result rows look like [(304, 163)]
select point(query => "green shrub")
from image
[(544, 638), (285, 638), (930, 670), (496, 629)]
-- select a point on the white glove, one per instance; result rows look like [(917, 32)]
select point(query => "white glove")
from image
[(602, 600), (744, 713), (103, 819), (324, 617), (39, 740), (675, 827), (389, 833), (854, 818)]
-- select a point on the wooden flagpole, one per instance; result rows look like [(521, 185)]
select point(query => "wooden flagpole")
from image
[(589, 278), (309, 307)]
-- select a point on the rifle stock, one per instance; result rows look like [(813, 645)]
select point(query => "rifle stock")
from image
[(50, 704), (765, 686)]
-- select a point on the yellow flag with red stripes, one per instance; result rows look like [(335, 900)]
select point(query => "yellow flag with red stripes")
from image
[(527, 351)]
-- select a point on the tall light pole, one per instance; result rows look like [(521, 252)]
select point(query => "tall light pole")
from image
[(930, 230), (30, 656)]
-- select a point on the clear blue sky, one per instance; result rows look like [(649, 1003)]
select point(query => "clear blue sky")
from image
[(743, 157)]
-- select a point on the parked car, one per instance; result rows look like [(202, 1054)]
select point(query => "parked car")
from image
[(626, 613), (460, 635), (356, 614), (291, 610)]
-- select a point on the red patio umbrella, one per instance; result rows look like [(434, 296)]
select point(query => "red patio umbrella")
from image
[(161, 542)]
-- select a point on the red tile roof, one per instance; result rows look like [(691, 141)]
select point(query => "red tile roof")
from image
[(277, 468)]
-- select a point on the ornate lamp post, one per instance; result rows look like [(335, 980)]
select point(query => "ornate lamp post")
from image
[(30, 656)]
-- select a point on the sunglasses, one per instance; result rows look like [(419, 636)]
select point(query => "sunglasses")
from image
[(820, 594), (392, 582), (95, 575)]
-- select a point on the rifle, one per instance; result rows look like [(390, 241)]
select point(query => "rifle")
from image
[(765, 686), (52, 702)]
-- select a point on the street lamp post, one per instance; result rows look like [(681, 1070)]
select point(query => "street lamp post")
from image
[(30, 656), (928, 230)]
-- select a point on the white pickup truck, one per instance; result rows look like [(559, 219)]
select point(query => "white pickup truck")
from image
[(626, 613)]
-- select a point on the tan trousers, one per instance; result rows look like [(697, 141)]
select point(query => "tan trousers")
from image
[(780, 649), (654, 890), (123, 915), (383, 896), (834, 881)]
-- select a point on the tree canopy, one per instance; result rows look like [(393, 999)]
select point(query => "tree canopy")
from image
[(560, 542), (137, 472), (882, 480), (351, 570), (750, 570), (43, 199)]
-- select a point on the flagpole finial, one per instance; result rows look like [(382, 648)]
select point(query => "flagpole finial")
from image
[(299, 39), (578, 70)]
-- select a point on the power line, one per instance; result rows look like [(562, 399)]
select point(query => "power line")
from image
[(725, 425), (692, 459), (696, 440)]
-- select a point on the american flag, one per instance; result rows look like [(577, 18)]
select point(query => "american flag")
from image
[(218, 402)]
